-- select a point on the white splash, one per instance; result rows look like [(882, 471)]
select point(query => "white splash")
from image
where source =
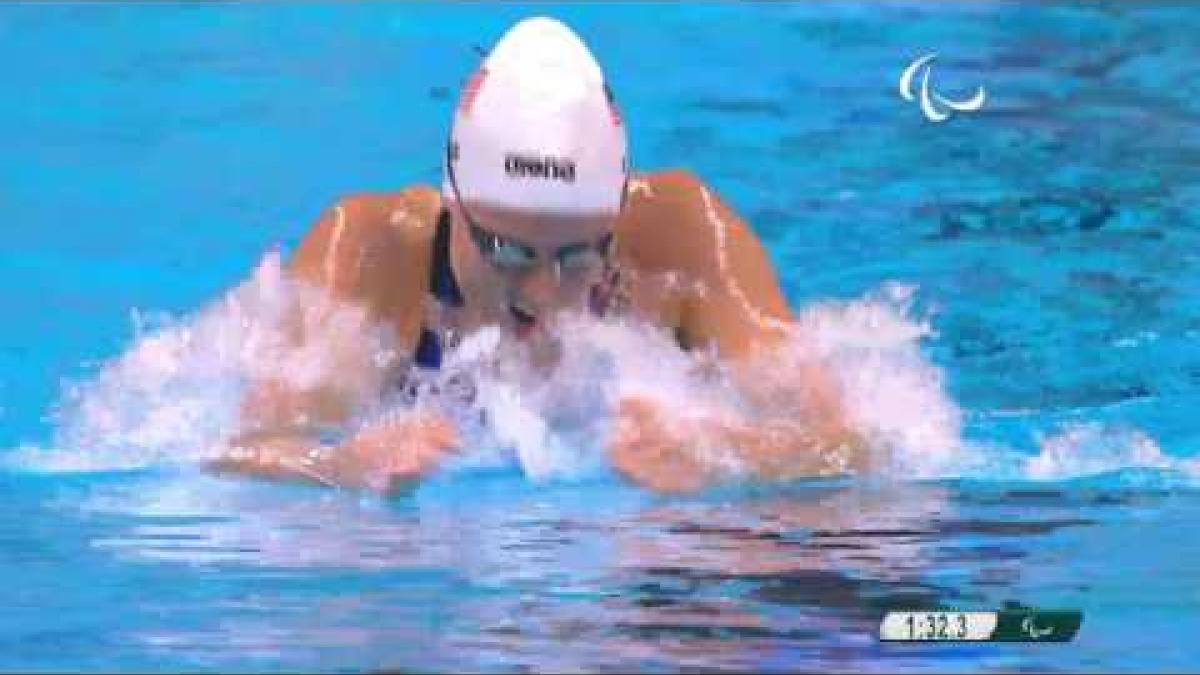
[(557, 422), (174, 395), (891, 390), (1089, 449), (554, 422)]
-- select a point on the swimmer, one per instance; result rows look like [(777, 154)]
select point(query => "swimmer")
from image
[(539, 212)]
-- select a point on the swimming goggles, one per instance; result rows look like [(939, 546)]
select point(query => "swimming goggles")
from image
[(511, 255)]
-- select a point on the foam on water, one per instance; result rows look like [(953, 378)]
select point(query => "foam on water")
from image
[(174, 395)]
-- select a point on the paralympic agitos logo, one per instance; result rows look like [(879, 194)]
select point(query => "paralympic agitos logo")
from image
[(534, 166), (936, 107)]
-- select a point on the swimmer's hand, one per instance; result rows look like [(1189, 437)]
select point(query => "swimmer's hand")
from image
[(670, 455), (389, 455), (385, 457), (654, 453)]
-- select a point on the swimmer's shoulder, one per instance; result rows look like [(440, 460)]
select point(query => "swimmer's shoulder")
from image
[(368, 223), (676, 224), (666, 224), (374, 248), (409, 215)]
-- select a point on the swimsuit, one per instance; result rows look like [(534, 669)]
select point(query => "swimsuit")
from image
[(444, 289)]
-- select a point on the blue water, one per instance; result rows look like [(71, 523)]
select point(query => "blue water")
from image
[(152, 153)]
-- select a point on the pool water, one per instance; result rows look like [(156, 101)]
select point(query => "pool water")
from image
[(1024, 280)]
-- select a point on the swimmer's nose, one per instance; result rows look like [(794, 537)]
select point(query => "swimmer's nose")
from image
[(540, 286)]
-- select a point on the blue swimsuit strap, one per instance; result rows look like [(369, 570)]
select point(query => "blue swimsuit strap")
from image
[(444, 288), (442, 283)]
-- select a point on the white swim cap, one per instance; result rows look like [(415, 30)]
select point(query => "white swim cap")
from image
[(536, 127)]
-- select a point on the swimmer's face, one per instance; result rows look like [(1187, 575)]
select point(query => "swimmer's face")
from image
[(517, 268)]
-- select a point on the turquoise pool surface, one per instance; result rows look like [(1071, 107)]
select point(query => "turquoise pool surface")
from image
[(153, 153)]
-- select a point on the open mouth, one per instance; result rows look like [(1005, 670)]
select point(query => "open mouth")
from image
[(525, 320)]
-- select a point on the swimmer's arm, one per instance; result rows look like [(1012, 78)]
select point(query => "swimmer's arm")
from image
[(672, 453), (366, 251), (280, 435), (741, 314), (284, 436), (279, 456), (384, 457)]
